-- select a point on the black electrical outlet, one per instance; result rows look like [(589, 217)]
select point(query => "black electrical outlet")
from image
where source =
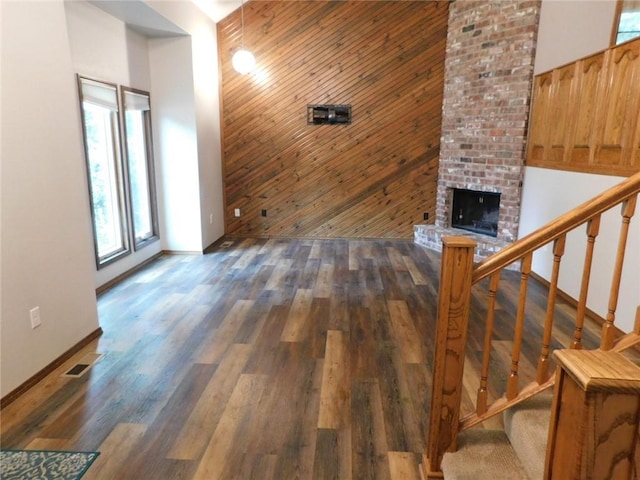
[(426, 215), (264, 212)]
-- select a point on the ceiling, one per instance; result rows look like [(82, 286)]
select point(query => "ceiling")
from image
[(217, 9), (139, 16), (142, 18)]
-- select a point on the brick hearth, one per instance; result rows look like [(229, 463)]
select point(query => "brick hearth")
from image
[(430, 236)]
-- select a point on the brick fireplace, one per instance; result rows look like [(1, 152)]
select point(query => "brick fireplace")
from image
[(488, 78)]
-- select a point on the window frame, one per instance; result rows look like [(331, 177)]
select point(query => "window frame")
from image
[(120, 165), (620, 9), (150, 170)]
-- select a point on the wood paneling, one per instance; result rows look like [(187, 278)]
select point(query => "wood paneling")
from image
[(621, 112), (559, 135), (375, 177), (586, 115), (539, 129), (591, 76)]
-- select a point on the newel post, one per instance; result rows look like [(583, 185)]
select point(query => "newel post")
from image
[(454, 298), (593, 431)]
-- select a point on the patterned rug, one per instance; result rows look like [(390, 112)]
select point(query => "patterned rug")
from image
[(44, 464)]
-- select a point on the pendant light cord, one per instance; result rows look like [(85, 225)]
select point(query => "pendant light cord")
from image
[(243, 60), (242, 22)]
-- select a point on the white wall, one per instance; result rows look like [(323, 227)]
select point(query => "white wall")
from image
[(186, 117), (206, 105), (175, 141), (47, 255), (209, 146), (97, 42), (553, 198), (570, 30), (102, 47), (1, 309)]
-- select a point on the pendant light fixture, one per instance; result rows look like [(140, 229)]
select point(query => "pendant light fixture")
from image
[(243, 60)]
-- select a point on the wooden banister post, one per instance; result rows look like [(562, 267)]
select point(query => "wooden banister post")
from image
[(454, 298), (593, 431)]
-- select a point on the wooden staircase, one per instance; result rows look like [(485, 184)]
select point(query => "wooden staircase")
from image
[(459, 275), (520, 450)]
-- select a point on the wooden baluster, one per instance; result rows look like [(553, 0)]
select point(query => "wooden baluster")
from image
[(628, 209), (593, 228), (543, 362), (454, 298), (512, 381), (481, 403)]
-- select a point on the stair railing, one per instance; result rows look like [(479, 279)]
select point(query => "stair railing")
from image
[(457, 278)]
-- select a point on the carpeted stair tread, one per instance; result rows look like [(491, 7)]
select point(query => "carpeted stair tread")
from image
[(483, 454), (527, 426)]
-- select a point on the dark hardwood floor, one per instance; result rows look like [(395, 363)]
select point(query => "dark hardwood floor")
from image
[(265, 359)]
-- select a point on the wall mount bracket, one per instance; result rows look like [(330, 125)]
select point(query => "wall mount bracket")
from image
[(328, 114)]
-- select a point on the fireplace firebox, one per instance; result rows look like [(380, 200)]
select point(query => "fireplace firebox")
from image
[(475, 211)]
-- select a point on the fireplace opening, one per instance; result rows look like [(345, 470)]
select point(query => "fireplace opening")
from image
[(475, 211)]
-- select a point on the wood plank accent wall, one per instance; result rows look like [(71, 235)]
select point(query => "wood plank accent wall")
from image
[(586, 115), (375, 177)]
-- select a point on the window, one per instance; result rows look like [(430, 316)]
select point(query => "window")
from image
[(121, 216), (104, 167), (628, 20), (137, 122)]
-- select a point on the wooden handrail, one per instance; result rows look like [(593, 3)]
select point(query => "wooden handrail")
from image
[(558, 227)]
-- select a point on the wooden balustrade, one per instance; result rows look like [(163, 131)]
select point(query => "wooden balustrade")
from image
[(558, 227), (585, 116), (457, 278)]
